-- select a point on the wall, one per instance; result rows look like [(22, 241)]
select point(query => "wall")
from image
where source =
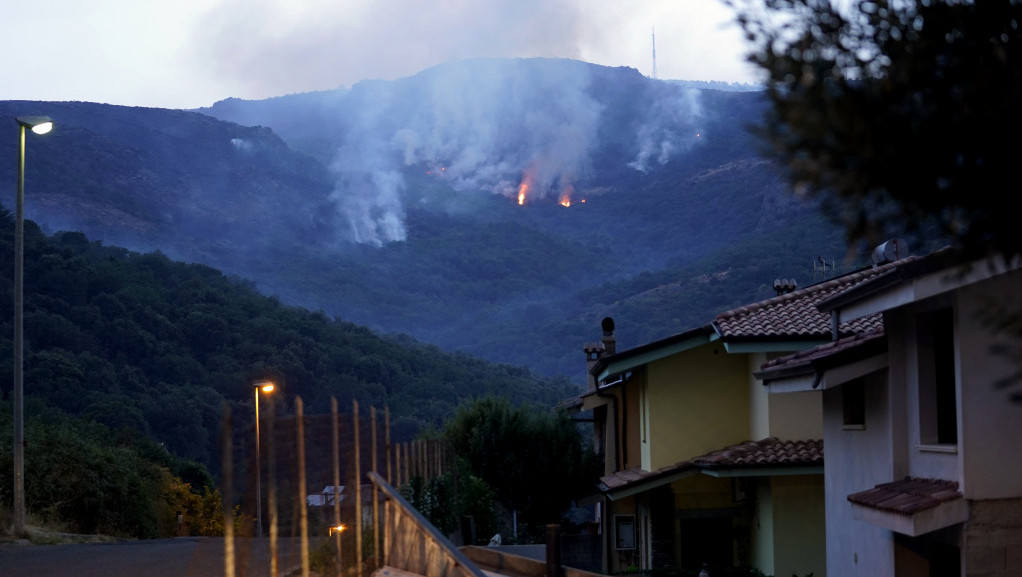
[(763, 529), (800, 547), (856, 460), (696, 402), (790, 416), (993, 541), (796, 416), (759, 400), (990, 424)]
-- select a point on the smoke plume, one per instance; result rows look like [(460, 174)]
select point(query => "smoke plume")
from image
[(521, 128)]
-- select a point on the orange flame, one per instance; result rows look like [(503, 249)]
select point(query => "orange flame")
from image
[(522, 189), (566, 193)]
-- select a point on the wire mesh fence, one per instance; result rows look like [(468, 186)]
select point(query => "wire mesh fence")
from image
[(299, 485)]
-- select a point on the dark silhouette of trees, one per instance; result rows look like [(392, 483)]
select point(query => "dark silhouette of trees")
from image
[(535, 459), (901, 116)]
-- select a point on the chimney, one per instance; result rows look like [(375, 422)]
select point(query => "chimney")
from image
[(784, 286), (609, 342), (596, 351)]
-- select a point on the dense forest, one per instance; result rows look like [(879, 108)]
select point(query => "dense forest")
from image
[(152, 349)]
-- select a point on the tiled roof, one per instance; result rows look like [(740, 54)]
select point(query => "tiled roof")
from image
[(794, 314), (769, 452), (908, 496), (620, 479), (818, 354)]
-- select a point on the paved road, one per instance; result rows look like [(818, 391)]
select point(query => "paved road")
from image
[(178, 557)]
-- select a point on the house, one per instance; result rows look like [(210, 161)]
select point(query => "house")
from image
[(327, 497), (701, 465), (923, 474)]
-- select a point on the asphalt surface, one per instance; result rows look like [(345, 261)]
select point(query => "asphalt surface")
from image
[(177, 557)]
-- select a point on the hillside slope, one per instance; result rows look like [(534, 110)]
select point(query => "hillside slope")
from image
[(395, 205)]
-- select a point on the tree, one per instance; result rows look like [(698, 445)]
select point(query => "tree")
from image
[(445, 500), (901, 116), (535, 459)]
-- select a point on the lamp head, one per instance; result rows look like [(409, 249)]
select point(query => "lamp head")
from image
[(37, 124), (264, 386)]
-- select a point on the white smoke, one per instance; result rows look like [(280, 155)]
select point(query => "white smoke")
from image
[(669, 129), (490, 125)]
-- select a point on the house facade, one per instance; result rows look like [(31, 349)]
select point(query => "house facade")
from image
[(924, 466), (701, 464)]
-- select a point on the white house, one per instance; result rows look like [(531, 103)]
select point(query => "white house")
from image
[(923, 474)]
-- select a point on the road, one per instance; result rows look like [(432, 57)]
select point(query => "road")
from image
[(177, 557)]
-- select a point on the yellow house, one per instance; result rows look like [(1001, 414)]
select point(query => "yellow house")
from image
[(701, 465)]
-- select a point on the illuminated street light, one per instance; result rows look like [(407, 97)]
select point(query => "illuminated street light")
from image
[(38, 125), (266, 387)]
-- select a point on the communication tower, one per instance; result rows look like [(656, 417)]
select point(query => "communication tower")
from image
[(654, 53)]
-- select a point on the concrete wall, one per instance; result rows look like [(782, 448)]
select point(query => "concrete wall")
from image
[(993, 540)]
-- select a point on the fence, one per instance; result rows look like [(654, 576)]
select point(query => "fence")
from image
[(326, 479)]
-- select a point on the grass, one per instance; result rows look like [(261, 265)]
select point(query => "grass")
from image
[(41, 533)]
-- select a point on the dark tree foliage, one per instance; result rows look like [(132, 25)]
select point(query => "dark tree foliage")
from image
[(447, 499), (85, 480), (536, 460), (147, 348), (902, 116)]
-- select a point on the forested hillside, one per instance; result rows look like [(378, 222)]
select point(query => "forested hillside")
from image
[(394, 205), (146, 345)]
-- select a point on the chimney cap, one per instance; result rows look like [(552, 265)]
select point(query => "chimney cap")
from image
[(608, 325)]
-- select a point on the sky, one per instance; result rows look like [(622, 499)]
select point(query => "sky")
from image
[(193, 53)]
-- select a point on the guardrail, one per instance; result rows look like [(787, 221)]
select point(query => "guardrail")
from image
[(412, 544)]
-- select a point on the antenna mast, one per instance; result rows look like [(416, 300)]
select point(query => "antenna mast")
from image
[(654, 53)]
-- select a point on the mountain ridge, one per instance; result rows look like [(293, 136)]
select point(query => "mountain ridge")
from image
[(664, 182)]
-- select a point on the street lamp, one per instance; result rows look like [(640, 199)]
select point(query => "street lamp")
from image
[(266, 387), (38, 125)]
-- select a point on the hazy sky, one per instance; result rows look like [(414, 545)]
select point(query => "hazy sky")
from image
[(192, 53)]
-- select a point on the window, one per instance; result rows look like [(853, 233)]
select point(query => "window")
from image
[(938, 406), (853, 404)]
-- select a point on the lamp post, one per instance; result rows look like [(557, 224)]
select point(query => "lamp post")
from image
[(38, 125), (266, 387)]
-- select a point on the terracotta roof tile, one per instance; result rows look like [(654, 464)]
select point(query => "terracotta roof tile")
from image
[(826, 350), (794, 315), (749, 454), (769, 451), (627, 477), (907, 496)]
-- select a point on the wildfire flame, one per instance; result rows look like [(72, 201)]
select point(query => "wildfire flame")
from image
[(525, 190), (566, 193)]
